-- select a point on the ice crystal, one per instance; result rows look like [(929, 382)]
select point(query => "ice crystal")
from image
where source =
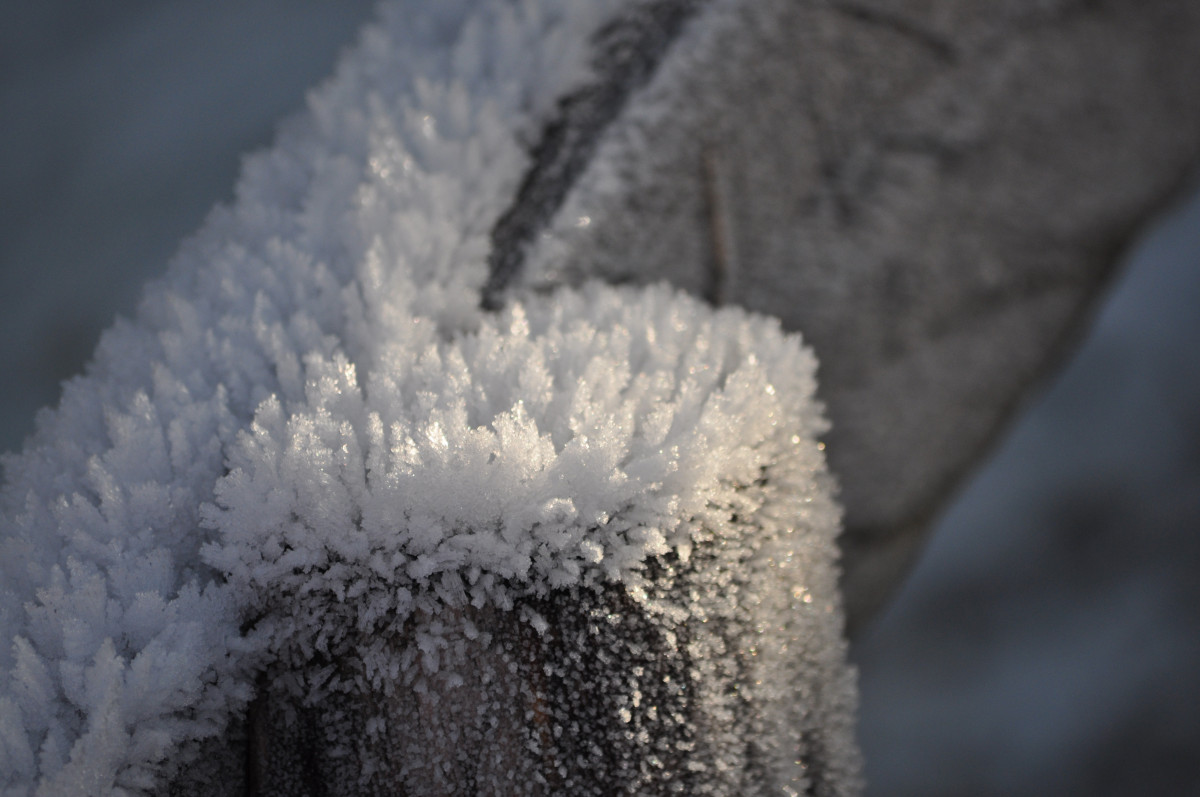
[(579, 545)]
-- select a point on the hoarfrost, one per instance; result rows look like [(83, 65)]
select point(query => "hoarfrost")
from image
[(622, 487), (580, 545)]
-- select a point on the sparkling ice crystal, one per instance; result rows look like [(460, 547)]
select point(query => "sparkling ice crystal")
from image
[(314, 500)]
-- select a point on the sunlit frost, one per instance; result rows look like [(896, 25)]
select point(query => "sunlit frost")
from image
[(581, 546)]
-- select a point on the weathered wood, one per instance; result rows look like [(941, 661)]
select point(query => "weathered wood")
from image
[(933, 193)]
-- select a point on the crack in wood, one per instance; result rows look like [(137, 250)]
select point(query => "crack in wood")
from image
[(628, 52), (938, 45)]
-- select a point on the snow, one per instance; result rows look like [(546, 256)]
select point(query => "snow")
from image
[(311, 445)]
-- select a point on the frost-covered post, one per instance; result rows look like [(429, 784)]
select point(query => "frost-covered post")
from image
[(377, 496), (317, 522), (588, 546)]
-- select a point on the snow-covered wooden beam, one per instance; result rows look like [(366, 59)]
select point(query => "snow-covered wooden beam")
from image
[(376, 496)]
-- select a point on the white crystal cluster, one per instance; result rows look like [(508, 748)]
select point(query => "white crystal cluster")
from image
[(311, 434), (365, 226), (424, 554), (562, 443)]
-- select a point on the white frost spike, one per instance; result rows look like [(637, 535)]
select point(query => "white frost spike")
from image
[(648, 417), (539, 477), (317, 516)]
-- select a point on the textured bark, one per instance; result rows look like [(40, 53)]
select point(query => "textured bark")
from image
[(933, 193)]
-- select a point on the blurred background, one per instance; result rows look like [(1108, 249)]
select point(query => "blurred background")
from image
[(1048, 643)]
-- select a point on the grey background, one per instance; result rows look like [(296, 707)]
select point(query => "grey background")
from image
[(1047, 643)]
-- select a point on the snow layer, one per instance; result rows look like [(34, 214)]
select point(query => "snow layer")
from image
[(310, 431)]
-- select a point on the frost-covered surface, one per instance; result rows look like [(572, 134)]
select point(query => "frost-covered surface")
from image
[(310, 434), (612, 493), (561, 445), (951, 707), (125, 122)]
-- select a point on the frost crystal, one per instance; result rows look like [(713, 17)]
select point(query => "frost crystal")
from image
[(584, 545)]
